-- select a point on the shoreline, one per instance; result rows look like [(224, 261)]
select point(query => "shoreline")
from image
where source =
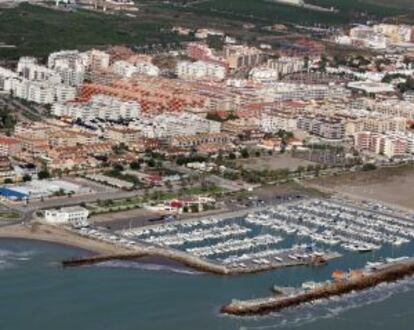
[(50, 234)]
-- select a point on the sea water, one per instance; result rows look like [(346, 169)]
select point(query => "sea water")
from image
[(36, 293)]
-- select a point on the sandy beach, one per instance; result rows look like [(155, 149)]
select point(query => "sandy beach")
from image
[(42, 232)]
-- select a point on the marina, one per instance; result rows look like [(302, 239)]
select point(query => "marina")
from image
[(307, 232), (290, 233)]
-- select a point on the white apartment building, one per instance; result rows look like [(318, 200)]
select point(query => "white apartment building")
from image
[(127, 69), (96, 60), (288, 91), (286, 65), (64, 93), (100, 106), (75, 215), (328, 128), (367, 37), (33, 91), (41, 92), (270, 123), (147, 69), (28, 68), (264, 75), (70, 65), (200, 70), (71, 75), (124, 68), (175, 124), (69, 56), (6, 74), (395, 33)]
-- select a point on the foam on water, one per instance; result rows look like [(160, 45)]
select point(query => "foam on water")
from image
[(147, 267), (9, 257)]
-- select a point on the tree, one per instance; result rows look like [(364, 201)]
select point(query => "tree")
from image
[(194, 208), (310, 168), (8, 181), (26, 178), (168, 185), (135, 165), (151, 162), (300, 169), (323, 63), (214, 116), (306, 62), (43, 174), (216, 42), (245, 153), (118, 167), (369, 167)]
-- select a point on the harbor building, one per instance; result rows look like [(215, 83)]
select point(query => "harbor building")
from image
[(75, 215)]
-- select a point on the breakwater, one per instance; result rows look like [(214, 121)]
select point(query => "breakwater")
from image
[(180, 257), (387, 274), (190, 261)]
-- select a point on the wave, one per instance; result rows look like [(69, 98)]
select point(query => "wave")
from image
[(8, 256), (330, 308), (147, 267), (4, 264)]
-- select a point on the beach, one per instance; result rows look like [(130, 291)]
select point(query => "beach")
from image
[(43, 232)]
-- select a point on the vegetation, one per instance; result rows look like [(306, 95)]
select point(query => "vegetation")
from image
[(9, 215), (117, 172), (271, 11), (37, 31), (183, 160), (369, 167), (216, 117), (155, 196), (43, 174), (26, 178), (7, 120), (135, 165)]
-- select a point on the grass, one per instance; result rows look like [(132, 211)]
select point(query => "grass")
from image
[(9, 215), (38, 31)]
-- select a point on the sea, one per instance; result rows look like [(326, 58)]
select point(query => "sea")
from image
[(37, 293)]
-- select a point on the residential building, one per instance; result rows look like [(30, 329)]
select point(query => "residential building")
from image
[(200, 70), (100, 106)]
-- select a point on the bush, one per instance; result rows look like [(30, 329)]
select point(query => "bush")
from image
[(135, 165), (27, 177), (369, 167), (44, 174)]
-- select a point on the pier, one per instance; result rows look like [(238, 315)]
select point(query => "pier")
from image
[(386, 274)]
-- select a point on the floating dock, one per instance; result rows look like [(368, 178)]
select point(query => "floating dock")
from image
[(386, 274)]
